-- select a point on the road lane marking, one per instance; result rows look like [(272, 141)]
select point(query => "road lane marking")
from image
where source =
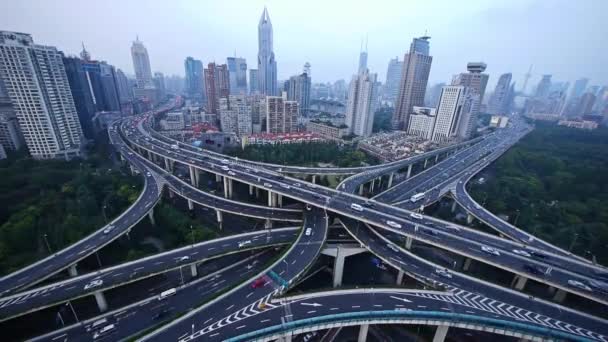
[(311, 312), (117, 274), (333, 309), (265, 320), (230, 307)]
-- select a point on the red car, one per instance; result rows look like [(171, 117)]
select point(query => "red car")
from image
[(258, 283)]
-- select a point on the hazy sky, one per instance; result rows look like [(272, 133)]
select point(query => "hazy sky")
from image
[(566, 38)]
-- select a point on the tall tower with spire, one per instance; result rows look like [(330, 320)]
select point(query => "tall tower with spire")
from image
[(363, 57), (267, 65), (84, 54), (141, 65)]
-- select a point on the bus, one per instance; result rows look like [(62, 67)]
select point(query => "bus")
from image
[(417, 197)]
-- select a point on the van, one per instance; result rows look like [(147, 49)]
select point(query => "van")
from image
[(103, 331), (355, 206), (168, 293)]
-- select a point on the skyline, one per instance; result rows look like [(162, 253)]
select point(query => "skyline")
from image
[(497, 29)]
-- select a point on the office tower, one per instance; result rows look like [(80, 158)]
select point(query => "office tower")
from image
[(361, 104), (82, 93), (253, 82), (125, 92), (453, 102), (544, 86), (414, 78), (298, 89), (393, 77), (194, 78), (499, 101), (141, 64), (37, 84), (579, 88), (362, 60), (267, 65), (474, 79), (235, 115), (585, 105), (237, 68), (281, 115), (217, 85), (159, 84), (101, 78), (422, 122)]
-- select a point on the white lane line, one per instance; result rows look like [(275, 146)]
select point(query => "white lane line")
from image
[(240, 327), (332, 309), (311, 312), (139, 268), (210, 248), (207, 321), (230, 307), (356, 306), (69, 288), (117, 274), (265, 320), (249, 295), (378, 305), (58, 337), (214, 334), (421, 306)]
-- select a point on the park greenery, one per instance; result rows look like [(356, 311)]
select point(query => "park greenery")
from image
[(304, 154), (554, 184)]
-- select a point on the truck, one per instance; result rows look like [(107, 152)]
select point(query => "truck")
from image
[(417, 197)]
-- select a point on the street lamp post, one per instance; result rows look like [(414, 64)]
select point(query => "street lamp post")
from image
[(192, 233), (516, 217), (47, 243), (73, 311)]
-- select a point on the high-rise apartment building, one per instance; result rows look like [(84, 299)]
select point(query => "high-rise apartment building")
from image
[(267, 65), (499, 101), (253, 82), (544, 87), (37, 84), (361, 104), (217, 85), (422, 122), (194, 78), (414, 79), (237, 68), (453, 102), (393, 77), (235, 115), (141, 64), (298, 89), (281, 114)]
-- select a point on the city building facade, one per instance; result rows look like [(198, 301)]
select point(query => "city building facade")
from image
[(499, 101), (217, 85), (267, 65), (281, 115), (237, 69), (361, 105), (235, 115)]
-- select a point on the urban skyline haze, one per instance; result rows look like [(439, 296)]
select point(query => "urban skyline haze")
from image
[(562, 38)]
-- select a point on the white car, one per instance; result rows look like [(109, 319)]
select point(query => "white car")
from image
[(225, 168), (231, 173), (521, 252), (109, 229), (286, 186), (490, 250), (308, 231), (416, 216), (244, 243), (182, 259), (393, 247), (393, 224), (579, 284), (225, 161), (268, 185), (443, 273), (94, 283)]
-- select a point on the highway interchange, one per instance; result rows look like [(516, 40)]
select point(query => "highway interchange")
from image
[(380, 225)]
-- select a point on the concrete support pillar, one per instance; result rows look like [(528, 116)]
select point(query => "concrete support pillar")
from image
[(133, 173), (280, 200), (361, 190), (230, 187), (390, 179), (151, 216), (193, 270), (454, 206), (219, 217), (226, 188), (436, 159), (409, 171), (268, 224), (193, 176), (272, 199), (197, 176), (167, 166), (285, 338), (101, 301), (426, 161), (122, 158), (371, 187), (363, 332), (150, 155), (338, 268), (72, 271), (190, 205), (440, 333), (560, 295), (400, 277), (250, 190), (257, 192), (469, 218), (466, 264), (314, 179), (519, 282), (408, 242), (171, 195), (218, 178)]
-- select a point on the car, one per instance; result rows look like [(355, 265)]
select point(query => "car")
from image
[(258, 283), (268, 185), (442, 272), (416, 216), (103, 331), (244, 243), (297, 184), (308, 231), (182, 259), (93, 284), (490, 250), (534, 269), (428, 232), (225, 168), (286, 186), (108, 229), (393, 247), (522, 252), (316, 196), (579, 284), (355, 206), (167, 293), (225, 161), (393, 224), (231, 173), (539, 255)]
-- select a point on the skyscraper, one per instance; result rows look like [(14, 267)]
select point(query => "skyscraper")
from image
[(414, 78), (125, 93), (453, 102), (237, 68), (217, 85), (579, 87), (499, 101), (585, 105), (281, 114), (81, 92), (476, 81), (393, 77), (159, 84), (194, 78), (544, 86), (37, 84), (298, 89), (267, 65), (253, 82), (362, 60), (141, 65), (101, 79), (361, 104)]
